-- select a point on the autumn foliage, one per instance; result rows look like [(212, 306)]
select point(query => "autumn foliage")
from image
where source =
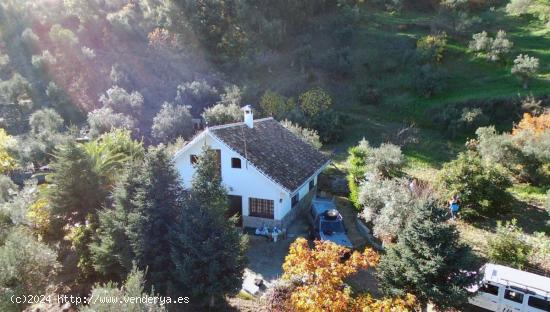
[(322, 271), (537, 124)]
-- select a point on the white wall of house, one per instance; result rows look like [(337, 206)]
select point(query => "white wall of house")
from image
[(246, 181), (303, 191)]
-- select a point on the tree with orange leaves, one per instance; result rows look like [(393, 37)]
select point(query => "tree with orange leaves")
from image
[(318, 275), (537, 124)]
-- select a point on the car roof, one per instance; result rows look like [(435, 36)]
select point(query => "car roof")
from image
[(517, 279)]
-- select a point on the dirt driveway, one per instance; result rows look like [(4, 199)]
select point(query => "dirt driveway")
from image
[(266, 257)]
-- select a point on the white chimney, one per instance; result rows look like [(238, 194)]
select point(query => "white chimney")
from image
[(248, 116)]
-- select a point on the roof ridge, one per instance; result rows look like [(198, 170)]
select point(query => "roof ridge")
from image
[(237, 124)]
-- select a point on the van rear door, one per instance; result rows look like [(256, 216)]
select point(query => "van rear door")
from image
[(538, 304)]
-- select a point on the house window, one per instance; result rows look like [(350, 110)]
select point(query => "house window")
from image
[(262, 208), (194, 159), (235, 162), (295, 199), (311, 184)]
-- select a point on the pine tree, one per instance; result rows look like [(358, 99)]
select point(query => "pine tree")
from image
[(111, 254), (153, 199), (75, 188), (132, 288), (428, 261), (209, 251)]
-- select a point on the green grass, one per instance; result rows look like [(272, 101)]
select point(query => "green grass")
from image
[(535, 195)]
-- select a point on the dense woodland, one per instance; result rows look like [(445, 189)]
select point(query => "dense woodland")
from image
[(97, 95)]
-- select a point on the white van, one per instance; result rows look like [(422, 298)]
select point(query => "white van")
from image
[(506, 289)]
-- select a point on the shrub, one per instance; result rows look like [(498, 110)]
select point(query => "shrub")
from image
[(386, 160), (7, 142), (356, 162), (133, 288), (276, 105), (198, 94), (307, 135), (46, 121), (432, 47), (502, 149), (172, 122), (315, 101), (120, 101), (220, 114), (492, 48), (367, 95), (7, 188), (429, 80), (105, 119), (525, 67), (329, 124), (509, 246), (480, 185), (388, 204), (26, 267)]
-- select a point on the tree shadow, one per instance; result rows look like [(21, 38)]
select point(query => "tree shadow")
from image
[(529, 217)]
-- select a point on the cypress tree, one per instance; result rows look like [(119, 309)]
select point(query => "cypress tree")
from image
[(209, 251), (428, 261)]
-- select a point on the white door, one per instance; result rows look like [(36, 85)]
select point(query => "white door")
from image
[(512, 301), (538, 304)]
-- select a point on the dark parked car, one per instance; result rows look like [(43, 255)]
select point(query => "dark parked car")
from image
[(327, 222)]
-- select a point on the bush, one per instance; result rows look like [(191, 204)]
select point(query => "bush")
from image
[(221, 114), (120, 101), (315, 101), (7, 188), (480, 185), (172, 122), (329, 124), (276, 105), (388, 204), (26, 267), (386, 160), (198, 94), (367, 95), (307, 135), (466, 122), (429, 80), (509, 246), (357, 169), (432, 47), (525, 67), (492, 48), (132, 288), (501, 149), (105, 119)]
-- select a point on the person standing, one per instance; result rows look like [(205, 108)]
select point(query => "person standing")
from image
[(453, 206)]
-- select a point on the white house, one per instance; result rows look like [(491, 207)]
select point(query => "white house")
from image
[(270, 173)]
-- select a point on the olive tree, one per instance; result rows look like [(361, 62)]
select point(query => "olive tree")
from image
[(525, 67), (172, 121)]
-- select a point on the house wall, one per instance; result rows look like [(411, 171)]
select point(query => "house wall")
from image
[(246, 181)]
